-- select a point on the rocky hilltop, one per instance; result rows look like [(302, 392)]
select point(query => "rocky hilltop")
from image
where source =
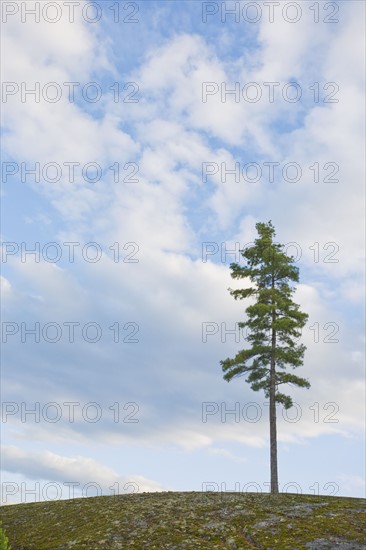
[(189, 520)]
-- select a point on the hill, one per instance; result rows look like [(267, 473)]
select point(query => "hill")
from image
[(188, 520)]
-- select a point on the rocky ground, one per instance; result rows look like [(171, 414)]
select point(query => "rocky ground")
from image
[(189, 520)]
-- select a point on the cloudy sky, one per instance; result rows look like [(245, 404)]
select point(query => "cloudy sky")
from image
[(142, 141)]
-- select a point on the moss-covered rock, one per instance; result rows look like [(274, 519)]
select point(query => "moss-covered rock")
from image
[(189, 520)]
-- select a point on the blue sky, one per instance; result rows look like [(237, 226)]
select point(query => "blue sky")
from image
[(152, 203)]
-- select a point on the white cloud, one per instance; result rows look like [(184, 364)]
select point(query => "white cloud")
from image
[(5, 287), (351, 482), (226, 454), (61, 470)]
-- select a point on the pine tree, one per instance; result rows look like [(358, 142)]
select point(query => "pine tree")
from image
[(274, 324)]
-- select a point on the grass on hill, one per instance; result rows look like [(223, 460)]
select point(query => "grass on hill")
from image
[(188, 520)]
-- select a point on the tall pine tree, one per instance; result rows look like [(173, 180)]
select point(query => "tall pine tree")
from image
[(274, 322)]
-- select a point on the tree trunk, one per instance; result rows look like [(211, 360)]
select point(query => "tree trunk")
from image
[(272, 406)]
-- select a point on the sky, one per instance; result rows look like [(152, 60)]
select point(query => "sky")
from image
[(141, 143)]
